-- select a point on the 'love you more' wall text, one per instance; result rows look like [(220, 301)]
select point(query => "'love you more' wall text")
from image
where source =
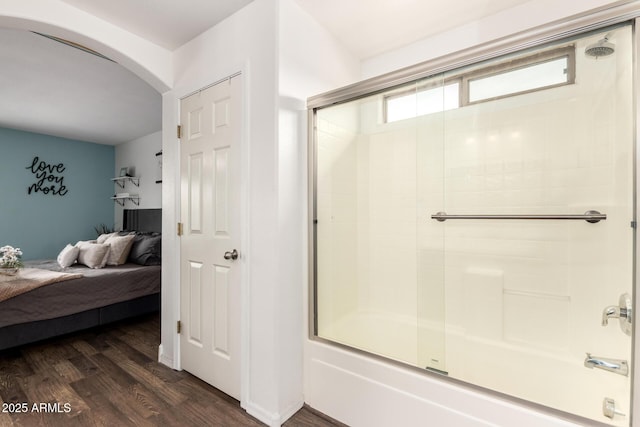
[(49, 180)]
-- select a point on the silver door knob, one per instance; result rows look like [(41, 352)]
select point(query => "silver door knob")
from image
[(233, 255)]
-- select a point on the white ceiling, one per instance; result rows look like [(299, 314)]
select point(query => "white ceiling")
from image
[(50, 88), (370, 27), (167, 23)]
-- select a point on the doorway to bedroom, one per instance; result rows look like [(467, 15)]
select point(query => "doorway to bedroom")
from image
[(210, 273)]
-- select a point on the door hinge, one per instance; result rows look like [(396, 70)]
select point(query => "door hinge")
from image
[(179, 131), (179, 327), (179, 229)]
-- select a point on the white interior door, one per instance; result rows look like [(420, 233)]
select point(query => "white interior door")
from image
[(210, 253)]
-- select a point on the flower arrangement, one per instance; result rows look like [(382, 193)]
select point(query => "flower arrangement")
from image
[(10, 257)]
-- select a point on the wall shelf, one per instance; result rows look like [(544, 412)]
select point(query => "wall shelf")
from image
[(122, 180), (121, 198), (133, 198)]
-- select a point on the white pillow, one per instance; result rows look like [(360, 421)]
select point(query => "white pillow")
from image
[(119, 248), (93, 255), (103, 237), (85, 242), (68, 256)]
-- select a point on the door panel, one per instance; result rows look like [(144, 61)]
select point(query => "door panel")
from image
[(221, 312), (222, 192), (195, 192), (195, 303), (210, 283)]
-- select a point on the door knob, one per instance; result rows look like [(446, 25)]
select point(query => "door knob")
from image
[(233, 255), (623, 312)]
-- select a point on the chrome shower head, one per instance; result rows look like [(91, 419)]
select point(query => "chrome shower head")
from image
[(600, 48)]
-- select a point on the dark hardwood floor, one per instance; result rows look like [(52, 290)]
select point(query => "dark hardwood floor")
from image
[(109, 376)]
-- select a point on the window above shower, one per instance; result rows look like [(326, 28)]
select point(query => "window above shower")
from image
[(414, 103), (542, 70)]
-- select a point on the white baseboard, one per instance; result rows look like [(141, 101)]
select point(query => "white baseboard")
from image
[(273, 419), (290, 411), (269, 418), (164, 359)]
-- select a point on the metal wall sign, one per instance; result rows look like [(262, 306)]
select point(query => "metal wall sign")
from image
[(48, 178)]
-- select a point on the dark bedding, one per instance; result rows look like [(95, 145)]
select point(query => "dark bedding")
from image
[(97, 288)]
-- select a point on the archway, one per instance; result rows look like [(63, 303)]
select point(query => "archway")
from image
[(150, 62)]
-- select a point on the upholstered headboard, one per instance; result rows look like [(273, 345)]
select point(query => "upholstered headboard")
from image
[(145, 220)]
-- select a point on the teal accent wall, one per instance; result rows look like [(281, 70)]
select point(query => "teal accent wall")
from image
[(42, 224)]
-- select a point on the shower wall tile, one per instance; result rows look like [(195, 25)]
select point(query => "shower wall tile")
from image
[(537, 320), (483, 303)]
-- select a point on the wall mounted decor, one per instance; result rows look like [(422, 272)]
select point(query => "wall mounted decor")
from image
[(48, 178)]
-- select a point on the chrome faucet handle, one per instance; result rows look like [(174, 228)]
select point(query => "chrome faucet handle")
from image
[(612, 312), (623, 311), (617, 366)]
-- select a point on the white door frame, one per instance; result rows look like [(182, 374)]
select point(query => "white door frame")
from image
[(244, 232)]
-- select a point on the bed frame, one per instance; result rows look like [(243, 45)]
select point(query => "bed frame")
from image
[(148, 220)]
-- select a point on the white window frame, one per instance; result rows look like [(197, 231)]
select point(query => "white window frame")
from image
[(507, 66), (568, 52)]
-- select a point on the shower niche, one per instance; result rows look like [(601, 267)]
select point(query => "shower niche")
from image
[(475, 224)]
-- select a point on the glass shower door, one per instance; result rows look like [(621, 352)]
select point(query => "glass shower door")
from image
[(480, 224), (367, 230), (526, 299)]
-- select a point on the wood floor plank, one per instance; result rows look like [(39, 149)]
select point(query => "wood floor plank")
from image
[(110, 377), (66, 370), (5, 419), (11, 386), (130, 352), (42, 389), (85, 366), (308, 417), (161, 388), (41, 357), (104, 364), (145, 348), (165, 373), (15, 364), (102, 409), (123, 399), (84, 347)]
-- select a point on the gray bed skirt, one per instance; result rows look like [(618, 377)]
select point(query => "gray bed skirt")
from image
[(25, 333)]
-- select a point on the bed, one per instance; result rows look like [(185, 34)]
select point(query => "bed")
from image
[(99, 297)]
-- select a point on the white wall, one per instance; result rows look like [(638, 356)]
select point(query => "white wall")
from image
[(310, 61), (140, 157)]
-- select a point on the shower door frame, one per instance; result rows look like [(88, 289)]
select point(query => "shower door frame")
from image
[(573, 26)]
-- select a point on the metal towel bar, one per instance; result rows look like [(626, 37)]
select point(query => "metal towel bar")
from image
[(589, 216)]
